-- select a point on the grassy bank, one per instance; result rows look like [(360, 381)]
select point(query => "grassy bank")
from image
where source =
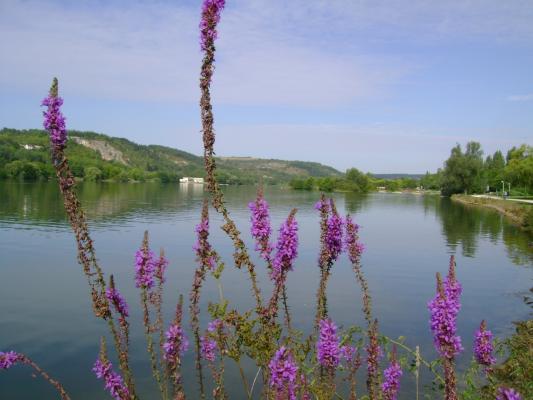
[(520, 214)]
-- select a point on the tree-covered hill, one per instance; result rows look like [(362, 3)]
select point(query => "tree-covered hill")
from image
[(24, 154)]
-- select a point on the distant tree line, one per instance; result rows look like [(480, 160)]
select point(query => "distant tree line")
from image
[(463, 172), (354, 181), (468, 172)]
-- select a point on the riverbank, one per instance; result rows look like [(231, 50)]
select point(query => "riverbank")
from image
[(520, 213)]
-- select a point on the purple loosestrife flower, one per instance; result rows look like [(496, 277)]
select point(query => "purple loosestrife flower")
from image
[(287, 247), (54, 121), (283, 373), (373, 350), (160, 267), (176, 343), (444, 308), (144, 265), (353, 246), (208, 348), (211, 10), (348, 353), (328, 351), (113, 381), (483, 346), (453, 289), (202, 245), (261, 229), (323, 205), (115, 298), (508, 394), (334, 234), (214, 326), (392, 374), (8, 359)]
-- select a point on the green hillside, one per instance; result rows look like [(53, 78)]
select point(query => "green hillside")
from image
[(24, 154)]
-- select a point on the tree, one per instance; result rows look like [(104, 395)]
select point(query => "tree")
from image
[(494, 170), (519, 169), (463, 172), (361, 180)]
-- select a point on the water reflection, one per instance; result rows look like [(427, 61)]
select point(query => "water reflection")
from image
[(106, 203), (463, 226)]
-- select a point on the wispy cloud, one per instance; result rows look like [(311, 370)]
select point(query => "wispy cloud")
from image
[(520, 97), (146, 52)]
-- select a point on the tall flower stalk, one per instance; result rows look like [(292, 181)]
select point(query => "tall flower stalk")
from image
[(331, 233), (211, 10), (145, 268), (54, 123), (260, 226), (483, 348), (444, 309), (204, 258), (11, 358), (392, 374), (286, 253), (175, 345), (103, 369)]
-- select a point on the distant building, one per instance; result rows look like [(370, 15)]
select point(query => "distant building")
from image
[(188, 179), (31, 146)]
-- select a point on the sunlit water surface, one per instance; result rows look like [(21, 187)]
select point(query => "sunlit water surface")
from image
[(45, 310)]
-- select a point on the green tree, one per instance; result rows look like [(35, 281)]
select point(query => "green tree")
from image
[(93, 174), (463, 172), (494, 170), (362, 181), (519, 169)]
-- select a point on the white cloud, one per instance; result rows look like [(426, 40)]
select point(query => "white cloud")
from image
[(298, 53), (146, 52), (520, 97)]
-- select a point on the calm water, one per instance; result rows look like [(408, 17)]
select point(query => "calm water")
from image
[(45, 310)]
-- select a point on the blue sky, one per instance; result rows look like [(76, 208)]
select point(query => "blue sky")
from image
[(385, 86)]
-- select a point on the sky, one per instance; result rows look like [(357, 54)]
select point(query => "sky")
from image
[(383, 86)]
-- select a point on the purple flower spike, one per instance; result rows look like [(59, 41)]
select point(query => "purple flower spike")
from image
[(283, 373), (328, 351), (353, 246), (214, 326), (113, 381), (323, 206), (8, 359), (211, 10), (444, 309), (160, 267), (208, 348), (391, 385), (115, 298), (261, 229), (144, 268), (287, 247), (508, 394), (54, 121), (483, 346), (202, 245), (334, 235), (176, 344), (348, 353)]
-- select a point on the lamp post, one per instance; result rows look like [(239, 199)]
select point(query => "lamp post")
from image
[(503, 190)]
